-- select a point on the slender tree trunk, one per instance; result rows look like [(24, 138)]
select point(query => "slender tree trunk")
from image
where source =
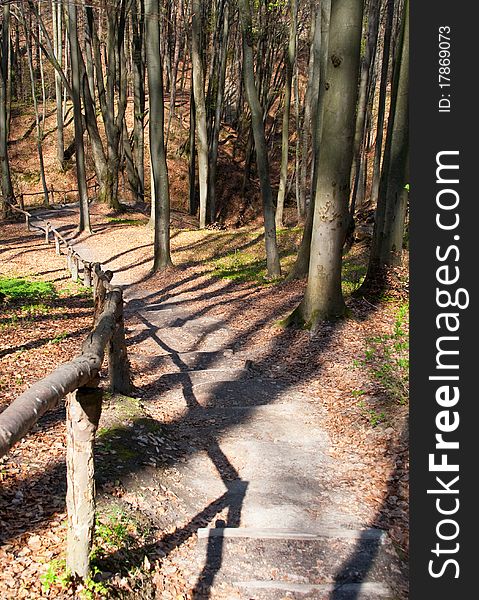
[(301, 266), (200, 108), (323, 297), (162, 258), (312, 92), (57, 19), (272, 255), (174, 71), (382, 100), (386, 247), (290, 62), (84, 224), (7, 194), (223, 43), (368, 59), (35, 109), (138, 25), (192, 159)]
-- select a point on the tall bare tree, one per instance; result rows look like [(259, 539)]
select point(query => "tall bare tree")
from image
[(162, 257), (7, 194), (262, 161)]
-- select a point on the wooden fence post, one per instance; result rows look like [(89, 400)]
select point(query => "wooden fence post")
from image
[(83, 415), (47, 233), (57, 244), (21, 202), (27, 221), (118, 365), (87, 274), (69, 258), (52, 192), (74, 267)]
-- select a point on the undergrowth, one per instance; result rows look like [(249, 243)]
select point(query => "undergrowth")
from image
[(13, 289), (387, 357)]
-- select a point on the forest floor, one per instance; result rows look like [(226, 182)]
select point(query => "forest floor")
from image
[(316, 425)]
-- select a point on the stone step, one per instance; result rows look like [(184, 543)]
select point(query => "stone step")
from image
[(264, 533), (169, 340), (341, 564), (199, 378), (220, 360), (246, 392), (272, 590)]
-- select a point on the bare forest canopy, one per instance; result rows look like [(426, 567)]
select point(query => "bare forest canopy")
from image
[(296, 110)]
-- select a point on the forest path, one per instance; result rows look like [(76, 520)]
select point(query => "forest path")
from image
[(235, 465)]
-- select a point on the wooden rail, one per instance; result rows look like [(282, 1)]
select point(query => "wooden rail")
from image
[(78, 381), (51, 192)]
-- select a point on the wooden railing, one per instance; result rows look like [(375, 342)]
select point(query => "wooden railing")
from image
[(78, 381), (52, 192)]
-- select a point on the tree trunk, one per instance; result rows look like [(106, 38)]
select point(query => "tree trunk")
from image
[(84, 224), (382, 101), (7, 194), (200, 108), (290, 61), (174, 71), (323, 298), (213, 156), (162, 258), (35, 109), (57, 19), (386, 247), (312, 92), (192, 203), (138, 25), (272, 255), (368, 59), (301, 265)]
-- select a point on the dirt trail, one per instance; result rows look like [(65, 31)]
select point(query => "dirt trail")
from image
[(239, 465)]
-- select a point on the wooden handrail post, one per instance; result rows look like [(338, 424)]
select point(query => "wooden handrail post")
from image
[(47, 232), (87, 274), (57, 244), (118, 365), (52, 192), (21, 202), (69, 258), (83, 415), (27, 221), (74, 267)]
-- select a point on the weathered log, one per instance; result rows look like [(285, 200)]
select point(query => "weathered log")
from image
[(118, 364), (83, 415), (18, 418), (24, 412), (101, 285)]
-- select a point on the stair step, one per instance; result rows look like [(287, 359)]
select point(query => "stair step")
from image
[(201, 377), (358, 559), (171, 340), (243, 392), (191, 361), (287, 534), (328, 591)]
